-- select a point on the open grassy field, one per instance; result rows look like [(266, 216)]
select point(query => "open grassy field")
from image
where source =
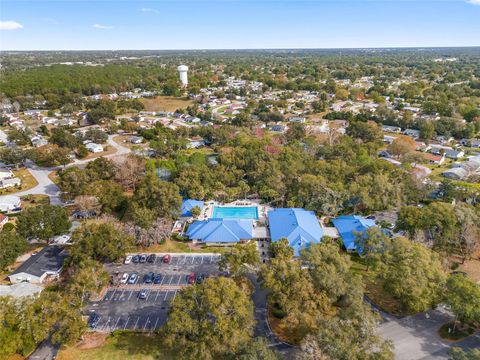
[(165, 103), (28, 182), (119, 346)]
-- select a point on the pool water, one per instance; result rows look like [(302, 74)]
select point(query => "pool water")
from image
[(233, 212)]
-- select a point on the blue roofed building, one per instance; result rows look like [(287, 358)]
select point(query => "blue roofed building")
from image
[(351, 226), (188, 205), (221, 231), (299, 226)]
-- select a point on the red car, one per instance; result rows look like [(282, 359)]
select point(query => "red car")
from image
[(191, 278), (166, 259)]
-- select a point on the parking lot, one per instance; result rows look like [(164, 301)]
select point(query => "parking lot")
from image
[(121, 307)]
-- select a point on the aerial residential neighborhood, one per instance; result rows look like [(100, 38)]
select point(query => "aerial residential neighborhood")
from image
[(258, 180)]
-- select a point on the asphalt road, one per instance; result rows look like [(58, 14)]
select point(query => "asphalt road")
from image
[(47, 187)]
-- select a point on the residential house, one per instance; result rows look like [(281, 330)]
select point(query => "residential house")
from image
[(297, 119), (3, 220), (299, 226), (278, 128), (412, 133), (9, 203), (47, 263), (448, 151), (391, 129), (136, 139), (475, 143), (434, 159), (11, 182), (195, 143), (387, 139), (456, 173), (94, 148), (5, 174)]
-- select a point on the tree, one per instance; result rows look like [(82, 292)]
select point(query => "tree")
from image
[(72, 181), (195, 211), (159, 196), (463, 296), (457, 353), (239, 256), (43, 222), (365, 131), (103, 240), (343, 339), (413, 274), (11, 246), (209, 320), (372, 245), (129, 171), (50, 155), (257, 349), (427, 130), (157, 232), (85, 279), (101, 169), (282, 249), (401, 146), (12, 156), (109, 194), (63, 138), (87, 203)]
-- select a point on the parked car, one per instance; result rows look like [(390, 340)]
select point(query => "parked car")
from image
[(167, 258), (151, 258), (133, 278), (148, 279), (142, 294), (124, 278), (157, 279), (93, 320), (199, 279), (128, 259), (136, 259), (143, 259), (191, 278)]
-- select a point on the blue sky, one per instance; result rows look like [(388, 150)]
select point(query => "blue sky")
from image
[(233, 24)]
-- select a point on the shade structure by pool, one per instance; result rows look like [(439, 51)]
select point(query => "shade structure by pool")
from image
[(235, 212), (221, 230)]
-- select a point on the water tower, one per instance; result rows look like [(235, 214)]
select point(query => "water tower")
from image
[(182, 70)]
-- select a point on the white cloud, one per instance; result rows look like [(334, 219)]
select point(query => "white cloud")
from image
[(149, 10), (10, 25), (100, 26), (474, 2)]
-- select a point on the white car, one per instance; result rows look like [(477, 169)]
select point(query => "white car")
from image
[(124, 278), (128, 259)]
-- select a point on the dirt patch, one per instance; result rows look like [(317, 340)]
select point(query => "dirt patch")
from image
[(92, 340), (472, 268), (166, 103)]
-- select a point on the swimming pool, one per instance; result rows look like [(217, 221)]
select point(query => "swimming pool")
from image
[(233, 212)]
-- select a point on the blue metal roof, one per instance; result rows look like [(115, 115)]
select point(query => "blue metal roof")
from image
[(188, 204), (299, 226), (349, 226), (221, 230)]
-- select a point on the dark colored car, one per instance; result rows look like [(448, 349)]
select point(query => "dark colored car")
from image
[(191, 278), (157, 279), (93, 321), (167, 258), (136, 259), (143, 259), (142, 294), (151, 258), (148, 279)]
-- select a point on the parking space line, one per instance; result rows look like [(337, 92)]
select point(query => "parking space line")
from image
[(131, 292), (148, 294), (174, 295), (171, 280), (158, 292), (117, 322), (165, 298), (113, 295), (211, 258), (179, 278), (128, 319), (156, 322), (136, 323), (106, 324), (163, 278), (121, 295), (146, 323), (201, 260)]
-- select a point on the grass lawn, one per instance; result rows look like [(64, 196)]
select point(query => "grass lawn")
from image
[(119, 346), (165, 103), (174, 246), (34, 200), (54, 177), (460, 332), (28, 182)]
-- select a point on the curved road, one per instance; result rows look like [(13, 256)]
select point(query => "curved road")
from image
[(47, 187)]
